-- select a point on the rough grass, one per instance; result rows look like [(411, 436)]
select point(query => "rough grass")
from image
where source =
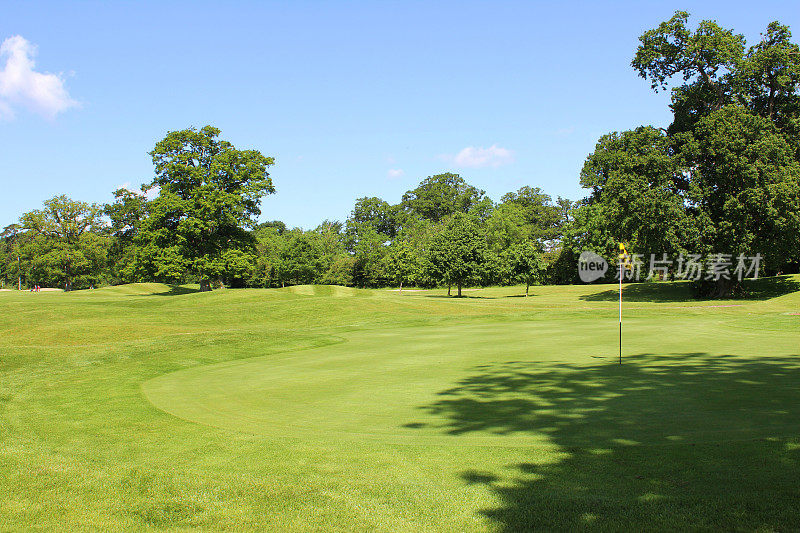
[(148, 407)]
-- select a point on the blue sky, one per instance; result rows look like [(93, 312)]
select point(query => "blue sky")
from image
[(351, 98)]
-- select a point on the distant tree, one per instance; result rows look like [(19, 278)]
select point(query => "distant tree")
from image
[(371, 214), (402, 262), (11, 254), (277, 224), (301, 259), (458, 255), (368, 260), (507, 226), (270, 242), (208, 193), (439, 196), (338, 264), (126, 214), (67, 243), (524, 262), (541, 214)]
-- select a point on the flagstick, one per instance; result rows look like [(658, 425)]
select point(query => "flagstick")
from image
[(620, 312)]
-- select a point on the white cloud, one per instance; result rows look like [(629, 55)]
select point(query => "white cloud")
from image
[(395, 173), (21, 85), (478, 156), (562, 132)]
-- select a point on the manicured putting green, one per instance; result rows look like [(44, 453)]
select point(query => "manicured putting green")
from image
[(420, 385)]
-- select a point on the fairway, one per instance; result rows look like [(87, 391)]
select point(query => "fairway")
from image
[(315, 408)]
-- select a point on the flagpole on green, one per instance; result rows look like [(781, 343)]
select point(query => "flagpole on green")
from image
[(620, 312)]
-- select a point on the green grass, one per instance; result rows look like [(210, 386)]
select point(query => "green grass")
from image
[(317, 408)]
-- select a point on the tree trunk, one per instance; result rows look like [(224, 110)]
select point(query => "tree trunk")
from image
[(205, 285), (448, 289), (527, 286), (459, 290)]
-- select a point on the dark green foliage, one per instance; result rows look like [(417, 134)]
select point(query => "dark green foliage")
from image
[(458, 254), (65, 245), (439, 196), (209, 192)]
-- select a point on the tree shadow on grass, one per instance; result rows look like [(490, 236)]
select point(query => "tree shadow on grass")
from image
[(177, 290), (758, 289), (685, 441), (462, 297)]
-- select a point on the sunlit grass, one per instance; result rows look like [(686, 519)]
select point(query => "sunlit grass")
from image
[(154, 407)]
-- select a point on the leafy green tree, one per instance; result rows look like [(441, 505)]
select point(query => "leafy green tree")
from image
[(301, 259), (371, 214), (768, 78), (209, 192), (271, 238), (11, 241), (507, 226), (126, 214), (402, 262), (524, 262), (67, 244), (459, 255), (368, 260), (440, 196), (724, 177), (239, 265), (705, 57), (338, 264), (745, 189), (641, 189), (339, 270), (541, 214)]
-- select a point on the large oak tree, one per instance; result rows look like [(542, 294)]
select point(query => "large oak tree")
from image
[(209, 192)]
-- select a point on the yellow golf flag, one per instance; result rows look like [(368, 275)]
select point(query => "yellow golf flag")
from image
[(624, 257)]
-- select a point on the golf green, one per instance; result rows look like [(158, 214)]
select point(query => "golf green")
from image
[(396, 385)]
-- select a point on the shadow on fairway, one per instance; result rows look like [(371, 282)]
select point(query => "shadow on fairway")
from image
[(177, 290), (684, 441), (760, 289), (462, 297)]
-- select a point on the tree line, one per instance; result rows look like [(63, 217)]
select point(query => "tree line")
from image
[(201, 226), (722, 178)]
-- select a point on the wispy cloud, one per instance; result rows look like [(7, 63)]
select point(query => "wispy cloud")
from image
[(395, 173), (478, 156), (563, 132), (21, 85)]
